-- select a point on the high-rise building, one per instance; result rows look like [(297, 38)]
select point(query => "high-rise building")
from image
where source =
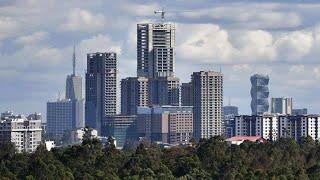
[(24, 132), (134, 93), (74, 83), (259, 94), (281, 105), (207, 103), (164, 91), (303, 111), (155, 50), (166, 124), (186, 94), (64, 115), (101, 88)]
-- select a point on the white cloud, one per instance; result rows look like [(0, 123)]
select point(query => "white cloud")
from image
[(33, 38), (255, 45), (252, 15), (83, 20), (316, 72), (8, 27), (294, 45), (205, 42), (297, 69)]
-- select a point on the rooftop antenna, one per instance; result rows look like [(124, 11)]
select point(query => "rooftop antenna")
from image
[(162, 12), (74, 61)]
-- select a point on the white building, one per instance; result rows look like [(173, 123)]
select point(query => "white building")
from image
[(49, 145), (24, 133), (300, 126), (76, 136), (272, 127)]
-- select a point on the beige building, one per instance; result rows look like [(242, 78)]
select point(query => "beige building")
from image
[(24, 133), (207, 93), (166, 124)]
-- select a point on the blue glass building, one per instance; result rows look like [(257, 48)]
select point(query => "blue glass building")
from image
[(259, 94)]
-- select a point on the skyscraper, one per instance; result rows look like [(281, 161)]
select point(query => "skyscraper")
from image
[(155, 50), (259, 94), (134, 93), (207, 103), (74, 83), (281, 105), (67, 114), (164, 91), (101, 88), (186, 94)]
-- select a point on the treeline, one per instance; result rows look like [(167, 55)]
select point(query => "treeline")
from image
[(209, 159)]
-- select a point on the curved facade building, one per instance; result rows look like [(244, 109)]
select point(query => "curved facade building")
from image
[(259, 94)]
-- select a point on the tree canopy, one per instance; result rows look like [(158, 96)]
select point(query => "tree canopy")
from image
[(209, 159)]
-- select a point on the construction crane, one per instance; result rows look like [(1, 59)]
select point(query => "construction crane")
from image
[(162, 12)]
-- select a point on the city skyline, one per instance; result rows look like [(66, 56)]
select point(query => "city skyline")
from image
[(292, 66)]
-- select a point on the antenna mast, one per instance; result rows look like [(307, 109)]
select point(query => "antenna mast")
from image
[(74, 61)]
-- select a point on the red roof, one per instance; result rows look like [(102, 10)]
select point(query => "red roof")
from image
[(246, 138)]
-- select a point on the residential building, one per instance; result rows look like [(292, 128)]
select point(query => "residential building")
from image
[(302, 111), (155, 50), (164, 91), (186, 94), (207, 88), (134, 93), (281, 105), (259, 94), (272, 127), (265, 126), (299, 126), (24, 133), (122, 128), (166, 124), (101, 88)]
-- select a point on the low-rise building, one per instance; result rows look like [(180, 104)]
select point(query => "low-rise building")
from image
[(274, 126), (23, 132), (237, 140)]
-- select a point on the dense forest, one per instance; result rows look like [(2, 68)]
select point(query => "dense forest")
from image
[(208, 159)]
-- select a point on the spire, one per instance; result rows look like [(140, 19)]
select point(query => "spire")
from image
[(74, 61)]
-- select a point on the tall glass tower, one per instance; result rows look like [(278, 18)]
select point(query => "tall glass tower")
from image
[(259, 94)]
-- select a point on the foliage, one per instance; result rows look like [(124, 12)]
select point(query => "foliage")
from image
[(209, 159)]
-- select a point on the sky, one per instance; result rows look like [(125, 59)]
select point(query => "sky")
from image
[(278, 38)]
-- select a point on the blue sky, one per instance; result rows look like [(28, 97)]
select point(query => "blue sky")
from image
[(279, 38)]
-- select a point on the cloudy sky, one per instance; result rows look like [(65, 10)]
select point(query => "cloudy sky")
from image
[(278, 38)]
